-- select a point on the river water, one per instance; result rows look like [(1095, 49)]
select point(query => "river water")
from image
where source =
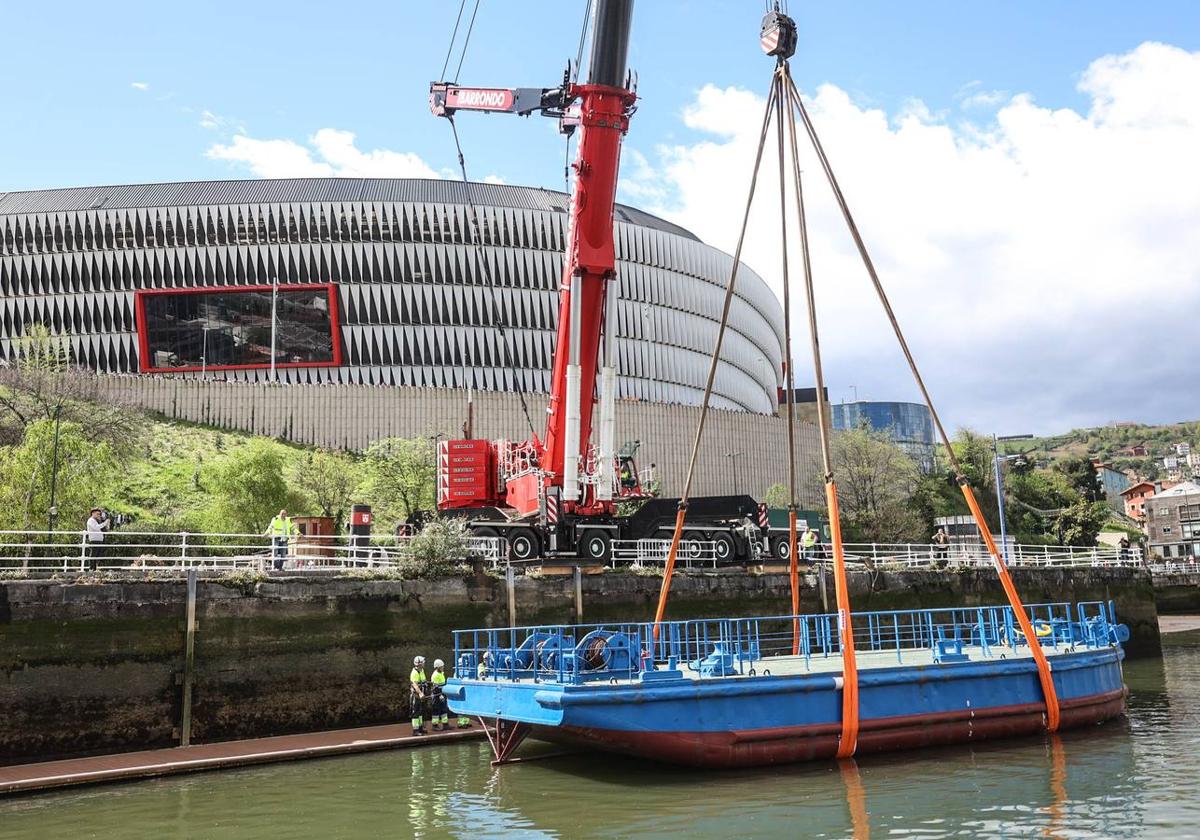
[(1133, 778)]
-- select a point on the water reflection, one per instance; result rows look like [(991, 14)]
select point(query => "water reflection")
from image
[(1125, 779)]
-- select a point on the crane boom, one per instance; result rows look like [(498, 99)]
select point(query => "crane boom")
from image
[(563, 464)]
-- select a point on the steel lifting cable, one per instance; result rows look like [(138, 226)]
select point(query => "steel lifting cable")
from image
[(1014, 599), (673, 552), (466, 40), (789, 379), (453, 38), (477, 236), (848, 742)]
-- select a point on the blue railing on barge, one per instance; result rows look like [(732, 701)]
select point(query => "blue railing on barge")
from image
[(574, 654)]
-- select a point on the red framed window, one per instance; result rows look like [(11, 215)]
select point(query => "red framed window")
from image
[(229, 328)]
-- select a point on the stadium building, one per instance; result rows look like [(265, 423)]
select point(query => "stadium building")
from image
[(207, 300)]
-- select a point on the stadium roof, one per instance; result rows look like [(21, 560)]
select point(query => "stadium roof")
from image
[(296, 190)]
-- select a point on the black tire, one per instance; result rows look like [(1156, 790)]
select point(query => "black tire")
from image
[(690, 544), (484, 532), (523, 544), (596, 546), (781, 549), (724, 548)]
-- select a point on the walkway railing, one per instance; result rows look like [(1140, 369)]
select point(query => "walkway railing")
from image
[(925, 556), (131, 550), (127, 549)]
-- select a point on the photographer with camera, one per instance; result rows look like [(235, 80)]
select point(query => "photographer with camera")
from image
[(97, 525)]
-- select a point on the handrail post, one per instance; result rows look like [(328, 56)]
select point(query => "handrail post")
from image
[(183, 547)]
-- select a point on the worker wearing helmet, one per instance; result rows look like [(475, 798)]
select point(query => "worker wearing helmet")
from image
[(418, 693), (438, 710)]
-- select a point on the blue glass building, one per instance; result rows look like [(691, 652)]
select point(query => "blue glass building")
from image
[(909, 424)]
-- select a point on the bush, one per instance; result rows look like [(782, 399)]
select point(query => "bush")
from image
[(440, 549)]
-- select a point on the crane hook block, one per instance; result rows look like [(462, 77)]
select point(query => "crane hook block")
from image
[(778, 34)]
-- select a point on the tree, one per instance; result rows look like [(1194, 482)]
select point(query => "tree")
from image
[(876, 482), (1082, 475), (974, 453), (86, 472), (1080, 523), (777, 496), (438, 549), (248, 488), (327, 479), (41, 381), (398, 477)]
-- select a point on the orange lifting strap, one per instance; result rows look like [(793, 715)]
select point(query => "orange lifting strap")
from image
[(1018, 608), (794, 570), (849, 741), (669, 570), (1014, 600)]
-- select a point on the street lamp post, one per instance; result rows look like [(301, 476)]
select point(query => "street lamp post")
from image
[(733, 456), (52, 517), (274, 298), (998, 460), (204, 354)]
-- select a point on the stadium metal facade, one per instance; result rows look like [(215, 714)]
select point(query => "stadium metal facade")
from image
[(365, 281)]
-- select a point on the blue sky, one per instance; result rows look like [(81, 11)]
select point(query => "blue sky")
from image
[(286, 69), (1025, 171)]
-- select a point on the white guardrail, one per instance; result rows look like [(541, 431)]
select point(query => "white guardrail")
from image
[(137, 550)]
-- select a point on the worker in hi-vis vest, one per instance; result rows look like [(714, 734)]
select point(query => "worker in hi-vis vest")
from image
[(808, 541), (418, 691), (439, 711), (281, 529)]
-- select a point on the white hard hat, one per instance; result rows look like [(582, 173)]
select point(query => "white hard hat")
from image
[(437, 663), (418, 660)]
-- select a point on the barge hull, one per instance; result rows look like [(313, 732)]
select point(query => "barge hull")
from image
[(785, 745)]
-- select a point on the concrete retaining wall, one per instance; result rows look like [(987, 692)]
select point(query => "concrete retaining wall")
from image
[(1178, 594), (95, 667)]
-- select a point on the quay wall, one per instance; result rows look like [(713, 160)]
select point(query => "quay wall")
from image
[(96, 665), (1177, 594)]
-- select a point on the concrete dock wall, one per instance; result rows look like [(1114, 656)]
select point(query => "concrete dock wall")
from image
[(98, 666), (1177, 594)]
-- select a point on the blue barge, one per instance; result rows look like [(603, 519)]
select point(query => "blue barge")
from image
[(736, 692)]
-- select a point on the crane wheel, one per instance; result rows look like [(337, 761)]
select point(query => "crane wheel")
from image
[(692, 544), (781, 549), (724, 548), (595, 545), (523, 544)]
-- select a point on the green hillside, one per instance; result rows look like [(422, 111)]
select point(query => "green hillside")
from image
[(1111, 444)]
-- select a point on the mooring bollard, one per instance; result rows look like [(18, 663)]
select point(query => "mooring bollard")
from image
[(189, 660)]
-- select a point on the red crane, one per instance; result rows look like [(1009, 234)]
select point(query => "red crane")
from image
[(558, 494), (563, 463)]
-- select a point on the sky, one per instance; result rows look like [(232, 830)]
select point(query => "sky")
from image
[(1025, 174)]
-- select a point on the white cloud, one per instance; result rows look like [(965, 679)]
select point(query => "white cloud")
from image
[(329, 151), (211, 121), (1042, 264), (139, 86)]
